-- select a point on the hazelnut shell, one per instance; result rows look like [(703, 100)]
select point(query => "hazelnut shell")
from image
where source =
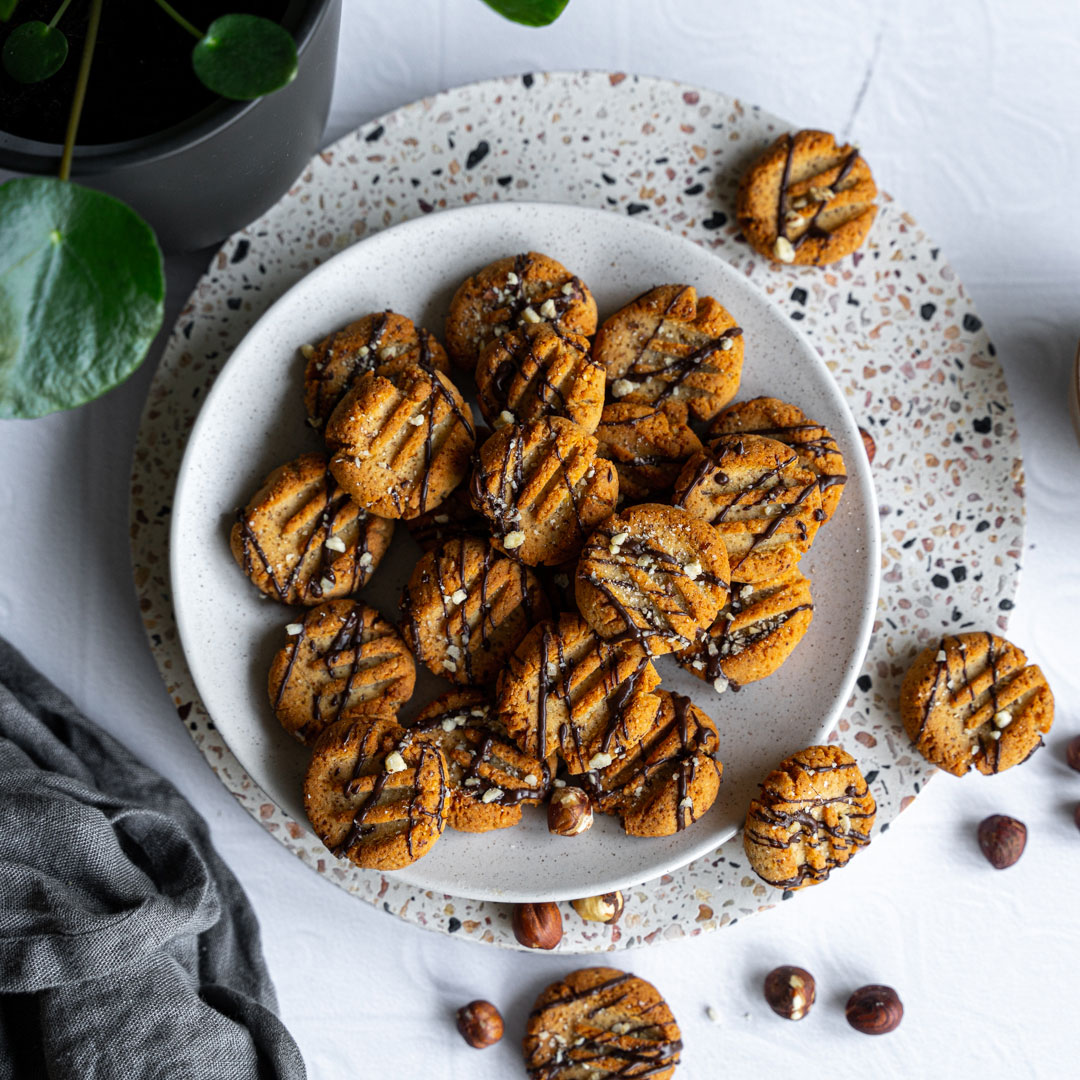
[(874, 1010), (480, 1024), (790, 991), (537, 926), (1002, 840)]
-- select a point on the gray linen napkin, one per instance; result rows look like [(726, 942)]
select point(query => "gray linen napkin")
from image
[(127, 947)]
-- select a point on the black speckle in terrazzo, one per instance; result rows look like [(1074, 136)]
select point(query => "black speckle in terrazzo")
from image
[(871, 776), (852, 301), (982, 526), (453, 925), (716, 220), (607, 179), (787, 894), (908, 543), (864, 682), (425, 206), (971, 323), (990, 348), (884, 828), (1006, 605), (636, 208), (234, 302), (694, 189), (386, 908), (934, 252), (799, 296), (661, 161), (242, 248), (956, 615), (415, 182), (959, 573), (481, 151), (927, 311), (797, 315), (504, 181), (371, 136), (940, 581), (527, 81), (187, 330), (183, 710), (982, 425)]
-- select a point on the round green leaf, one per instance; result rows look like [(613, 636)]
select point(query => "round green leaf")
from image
[(33, 52), (245, 56), (529, 12), (81, 294)]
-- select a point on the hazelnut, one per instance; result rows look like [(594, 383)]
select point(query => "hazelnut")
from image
[(480, 1024), (868, 444), (607, 907), (789, 991), (874, 1010), (538, 926), (569, 811), (1072, 753), (1002, 840)]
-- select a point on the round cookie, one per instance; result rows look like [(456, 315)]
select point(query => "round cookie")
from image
[(488, 776), (807, 200), (814, 445), (648, 446), (383, 342), (539, 370), (342, 655), (759, 498), (813, 814), (452, 519), (401, 446), (754, 633), (671, 348), (601, 1023), (972, 700), (302, 540), (542, 489), (567, 690), (653, 573), (373, 795), (465, 608)]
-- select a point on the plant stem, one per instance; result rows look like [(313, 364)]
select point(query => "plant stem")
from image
[(80, 88), (59, 15), (174, 14)]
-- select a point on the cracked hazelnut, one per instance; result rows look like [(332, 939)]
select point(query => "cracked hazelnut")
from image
[(1072, 753), (480, 1024), (569, 811), (874, 1010), (538, 926), (607, 907), (1002, 840), (790, 991), (868, 444)]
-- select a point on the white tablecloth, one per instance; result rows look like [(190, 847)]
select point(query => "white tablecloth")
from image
[(968, 114)]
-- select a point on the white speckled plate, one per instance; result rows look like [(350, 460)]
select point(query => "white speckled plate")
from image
[(253, 420)]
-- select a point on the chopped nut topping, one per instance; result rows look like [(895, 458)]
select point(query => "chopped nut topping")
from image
[(720, 684), (941, 657), (448, 724), (307, 351), (492, 794), (395, 762), (416, 421), (783, 250), (326, 584), (529, 315), (449, 665), (367, 559), (568, 289), (335, 543), (460, 596), (530, 779), (472, 781), (441, 519), (693, 570), (1003, 719), (558, 783), (599, 761), (621, 387), (547, 309), (621, 1028), (514, 539), (727, 344), (504, 418), (512, 278), (294, 628)]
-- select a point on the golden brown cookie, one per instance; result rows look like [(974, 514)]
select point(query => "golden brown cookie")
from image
[(813, 814), (302, 540), (648, 445), (542, 489), (754, 633), (973, 700), (341, 655), (383, 342), (465, 608), (671, 348), (814, 445), (516, 291), (601, 1023), (756, 494), (488, 777), (452, 519), (565, 689), (401, 446), (653, 573), (373, 795), (807, 200)]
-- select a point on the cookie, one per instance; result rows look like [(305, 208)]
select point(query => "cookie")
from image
[(384, 342), (764, 504), (539, 370), (452, 519), (648, 446), (601, 1023), (465, 608), (400, 446), (812, 443), (754, 633), (813, 814), (669, 347), (341, 655), (488, 777), (373, 795), (567, 690), (655, 574), (542, 489), (516, 291), (972, 700), (807, 200), (302, 540)]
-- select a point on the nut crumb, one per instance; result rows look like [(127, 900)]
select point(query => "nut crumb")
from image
[(621, 387), (294, 629), (395, 763), (459, 596), (514, 539), (335, 543), (783, 250)]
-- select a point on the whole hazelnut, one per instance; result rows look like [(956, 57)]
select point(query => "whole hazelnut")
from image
[(607, 907), (569, 811), (790, 991), (1002, 840), (480, 1024), (874, 1010), (1072, 753), (538, 926), (868, 444)]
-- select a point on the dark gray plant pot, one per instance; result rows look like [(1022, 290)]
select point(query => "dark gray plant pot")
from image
[(201, 180)]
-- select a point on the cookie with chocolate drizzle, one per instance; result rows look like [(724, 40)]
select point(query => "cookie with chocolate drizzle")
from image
[(341, 655), (601, 1023), (466, 608), (519, 290), (373, 795), (807, 200), (488, 777), (758, 496), (654, 574), (672, 348), (302, 540), (813, 814), (973, 701), (400, 445)]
